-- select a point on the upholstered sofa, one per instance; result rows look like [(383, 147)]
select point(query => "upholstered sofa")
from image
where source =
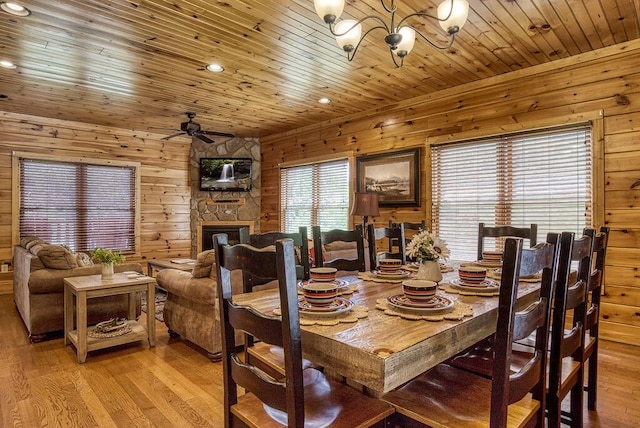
[(38, 286), (191, 308)]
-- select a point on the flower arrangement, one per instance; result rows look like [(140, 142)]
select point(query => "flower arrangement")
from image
[(424, 246), (106, 256)]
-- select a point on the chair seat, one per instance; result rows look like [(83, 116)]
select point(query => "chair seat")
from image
[(450, 397), (270, 359), (327, 403)]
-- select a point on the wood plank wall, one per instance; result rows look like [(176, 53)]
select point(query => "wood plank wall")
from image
[(164, 193), (606, 80)]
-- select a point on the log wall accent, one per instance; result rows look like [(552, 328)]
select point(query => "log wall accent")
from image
[(606, 80), (165, 192)]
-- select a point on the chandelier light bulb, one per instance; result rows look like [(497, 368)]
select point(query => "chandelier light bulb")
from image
[(348, 34), (329, 10), (458, 16), (406, 44)]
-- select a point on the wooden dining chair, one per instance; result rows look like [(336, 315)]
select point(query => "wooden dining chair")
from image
[(270, 358), (530, 233), (300, 241), (599, 243), (355, 236), (300, 398), (410, 229), (564, 371), (447, 396), (375, 234)]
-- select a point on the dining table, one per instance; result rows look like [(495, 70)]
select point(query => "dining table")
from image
[(381, 349)]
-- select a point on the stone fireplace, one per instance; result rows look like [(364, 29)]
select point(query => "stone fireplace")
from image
[(206, 230)]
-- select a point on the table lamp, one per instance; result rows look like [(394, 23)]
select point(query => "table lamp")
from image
[(365, 205)]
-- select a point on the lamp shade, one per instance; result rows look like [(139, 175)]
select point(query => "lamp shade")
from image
[(407, 42), (365, 204), (349, 34), (458, 14), (329, 7)]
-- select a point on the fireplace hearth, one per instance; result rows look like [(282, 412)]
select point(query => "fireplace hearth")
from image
[(206, 230)]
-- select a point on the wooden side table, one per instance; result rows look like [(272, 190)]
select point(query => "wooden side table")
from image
[(83, 288)]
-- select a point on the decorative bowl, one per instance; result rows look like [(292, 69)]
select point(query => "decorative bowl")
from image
[(326, 274), (419, 290), (492, 256), (320, 293), (389, 265), (472, 274)]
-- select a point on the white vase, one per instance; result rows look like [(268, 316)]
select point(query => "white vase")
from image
[(107, 270), (429, 270)]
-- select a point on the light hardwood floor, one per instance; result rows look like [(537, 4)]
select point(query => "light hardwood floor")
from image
[(174, 385)]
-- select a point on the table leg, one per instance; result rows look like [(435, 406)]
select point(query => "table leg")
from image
[(151, 311), (81, 321), (68, 313)]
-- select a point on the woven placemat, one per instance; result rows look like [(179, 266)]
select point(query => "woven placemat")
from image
[(368, 276), (358, 312), (455, 313), (495, 274)]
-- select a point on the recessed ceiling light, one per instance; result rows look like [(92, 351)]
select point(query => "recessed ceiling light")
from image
[(7, 64), (215, 68), (324, 100), (14, 8)]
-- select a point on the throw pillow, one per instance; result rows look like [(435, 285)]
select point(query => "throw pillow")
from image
[(83, 260), (57, 257), (204, 264)]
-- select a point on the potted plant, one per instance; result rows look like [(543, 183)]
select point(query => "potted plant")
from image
[(427, 249), (108, 258)]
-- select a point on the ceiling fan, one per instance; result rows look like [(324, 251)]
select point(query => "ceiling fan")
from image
[(192, 129)]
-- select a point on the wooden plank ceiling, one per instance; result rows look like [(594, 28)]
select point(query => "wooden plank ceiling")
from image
[(140, 64)]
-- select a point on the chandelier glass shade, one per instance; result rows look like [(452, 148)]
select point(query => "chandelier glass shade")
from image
[(400, 35)]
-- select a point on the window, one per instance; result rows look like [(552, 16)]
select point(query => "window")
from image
[(82, 205), (519, 179), (315, 194)]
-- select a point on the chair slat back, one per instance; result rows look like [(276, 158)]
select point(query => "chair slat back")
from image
[(596, 277), (530, 233), (323, 238), (393, 234), (284, 395), (300, 241), (410, 229), (510, 387)]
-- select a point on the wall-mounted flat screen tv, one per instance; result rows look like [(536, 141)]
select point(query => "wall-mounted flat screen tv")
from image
[(225, 174)]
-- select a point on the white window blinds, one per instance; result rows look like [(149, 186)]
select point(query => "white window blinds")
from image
[(541, 177), (315, 194), (78, 204)]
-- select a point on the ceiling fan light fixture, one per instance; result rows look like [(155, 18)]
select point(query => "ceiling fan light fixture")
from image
[(15, 9), (7, 64), (214, 68), (400, 33)]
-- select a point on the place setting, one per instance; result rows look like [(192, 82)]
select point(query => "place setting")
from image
[(420, 300), (321, 303), (472, 281), (388, 270), (490, 259), (321, 276)]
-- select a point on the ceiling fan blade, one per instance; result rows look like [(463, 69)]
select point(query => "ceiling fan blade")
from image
[(204, 138), (174, 135), (218, 134)]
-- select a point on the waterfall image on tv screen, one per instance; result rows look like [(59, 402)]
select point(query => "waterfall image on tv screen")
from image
[(225, 174)]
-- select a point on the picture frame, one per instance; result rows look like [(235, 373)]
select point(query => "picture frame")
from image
[(395, 177)]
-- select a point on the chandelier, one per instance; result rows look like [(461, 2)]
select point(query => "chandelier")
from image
[(401, 36)]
